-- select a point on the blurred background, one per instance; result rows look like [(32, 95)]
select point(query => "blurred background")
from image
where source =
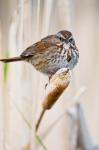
[(23, 22)]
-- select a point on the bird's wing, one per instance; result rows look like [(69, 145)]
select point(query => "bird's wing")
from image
[(52, 39), (49, 38), (28, 52), (40, 46)]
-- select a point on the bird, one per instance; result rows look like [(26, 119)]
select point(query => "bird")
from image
[(51, 53)]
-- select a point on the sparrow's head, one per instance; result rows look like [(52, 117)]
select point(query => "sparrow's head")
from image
[(66, 36)]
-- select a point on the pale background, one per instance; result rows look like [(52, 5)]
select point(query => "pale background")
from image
[(23, 22)]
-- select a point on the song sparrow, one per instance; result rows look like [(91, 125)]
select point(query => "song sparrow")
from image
[(51, 53)]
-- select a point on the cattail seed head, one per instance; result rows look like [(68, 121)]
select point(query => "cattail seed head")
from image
[(58, 83)]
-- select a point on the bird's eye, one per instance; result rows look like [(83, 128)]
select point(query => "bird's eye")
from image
[(71, 40), (61, 38)]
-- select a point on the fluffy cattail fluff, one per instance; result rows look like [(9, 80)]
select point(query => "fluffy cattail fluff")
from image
[(58, 83)]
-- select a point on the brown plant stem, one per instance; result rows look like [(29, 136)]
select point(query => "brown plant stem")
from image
[(40, 119)]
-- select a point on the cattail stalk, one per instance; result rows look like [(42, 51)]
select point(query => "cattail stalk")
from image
[(58, 83)]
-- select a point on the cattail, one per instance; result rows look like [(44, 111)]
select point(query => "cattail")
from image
[(58, 83)]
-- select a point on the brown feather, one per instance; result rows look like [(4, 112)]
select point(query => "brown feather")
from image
[(7, 60), (40, 46)]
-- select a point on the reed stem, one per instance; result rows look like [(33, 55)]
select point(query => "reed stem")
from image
[(40, 119)]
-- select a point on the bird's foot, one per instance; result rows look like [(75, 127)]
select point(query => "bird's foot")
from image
[(50, 76)]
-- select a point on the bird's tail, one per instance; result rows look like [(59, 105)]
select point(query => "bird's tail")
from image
[(7, 60)]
